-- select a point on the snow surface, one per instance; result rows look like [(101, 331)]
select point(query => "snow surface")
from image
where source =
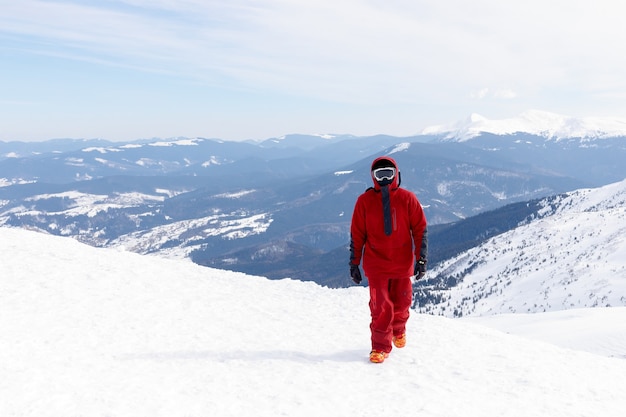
[(100, 149), (399, 148), (541, 123), (91, 205), (598, 330), (99, 332), (235, 225), (237, 194), (177, 141)]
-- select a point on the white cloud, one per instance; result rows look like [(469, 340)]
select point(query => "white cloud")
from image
[(362, 53), (350, 51), (505, 94), (484, 93), (480, 94)]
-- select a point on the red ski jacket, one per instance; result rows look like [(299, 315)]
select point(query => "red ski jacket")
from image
[(388, 251)]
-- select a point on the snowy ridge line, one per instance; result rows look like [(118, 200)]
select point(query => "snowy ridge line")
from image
[(569, 257), (541, 123)]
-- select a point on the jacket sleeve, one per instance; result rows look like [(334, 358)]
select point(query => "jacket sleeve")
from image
[(424, 248), (419, 229), (358, 234)]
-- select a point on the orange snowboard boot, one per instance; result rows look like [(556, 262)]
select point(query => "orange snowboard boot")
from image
[(378, 356), (399, 341)]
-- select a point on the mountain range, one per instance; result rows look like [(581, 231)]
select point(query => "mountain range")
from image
[(281, 207)]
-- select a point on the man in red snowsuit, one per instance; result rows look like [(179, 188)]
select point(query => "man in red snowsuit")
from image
[(389, 233)]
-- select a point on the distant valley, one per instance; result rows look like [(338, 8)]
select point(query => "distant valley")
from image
[(282, 207)]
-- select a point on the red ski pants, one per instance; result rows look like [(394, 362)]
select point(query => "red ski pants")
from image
[(390, 300)]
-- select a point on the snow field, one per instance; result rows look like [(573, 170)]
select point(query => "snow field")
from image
[(99, 332)]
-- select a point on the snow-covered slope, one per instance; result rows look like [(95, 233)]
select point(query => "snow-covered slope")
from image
[(596, 330), (536, 122), (571, 256), (100, 332)]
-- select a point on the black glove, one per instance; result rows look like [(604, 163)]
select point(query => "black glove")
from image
[(420, 269), (355, 274)]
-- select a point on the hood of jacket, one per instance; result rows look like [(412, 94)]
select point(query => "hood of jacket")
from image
[(396, 180)]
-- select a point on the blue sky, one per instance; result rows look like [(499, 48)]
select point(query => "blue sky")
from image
[(246, 69)]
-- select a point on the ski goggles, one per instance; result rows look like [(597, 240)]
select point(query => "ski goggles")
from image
[(385, 173)]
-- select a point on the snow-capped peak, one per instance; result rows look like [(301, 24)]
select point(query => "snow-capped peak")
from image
[(536, 122)]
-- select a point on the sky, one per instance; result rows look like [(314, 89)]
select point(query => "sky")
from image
[(242, 69), (103, 332)]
